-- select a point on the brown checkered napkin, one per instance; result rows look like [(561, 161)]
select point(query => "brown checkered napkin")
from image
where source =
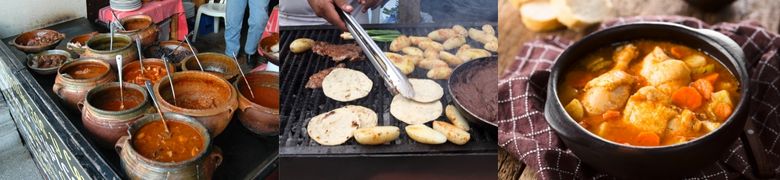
[(522, 91)]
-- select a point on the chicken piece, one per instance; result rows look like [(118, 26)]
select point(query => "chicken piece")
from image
[(608, 91), (623, 56), (649, 110), (682, 128), (664, 72)]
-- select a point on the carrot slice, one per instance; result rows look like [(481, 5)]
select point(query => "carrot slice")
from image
[(679, 52), (705, 87), (722, 111), (687, 97), (610, 114), (647, 139), (711, 77)]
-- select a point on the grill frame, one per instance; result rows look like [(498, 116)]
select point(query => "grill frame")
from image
[(300, 104)]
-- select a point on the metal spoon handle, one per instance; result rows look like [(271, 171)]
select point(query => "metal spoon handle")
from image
[(244, 77), (111, 41), (116, 19), (174, 49), (170, 78), (194, 54), (140, 55), (148, 84), (121, 85)]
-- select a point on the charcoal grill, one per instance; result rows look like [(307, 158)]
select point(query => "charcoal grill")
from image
[(299, 104)]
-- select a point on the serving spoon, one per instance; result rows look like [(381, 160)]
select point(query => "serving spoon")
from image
[(148, 84), (244, 77), (121, 84), (170, 78), (193, 53), (140, 55)]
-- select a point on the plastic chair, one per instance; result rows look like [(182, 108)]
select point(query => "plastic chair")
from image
[(213, 9)]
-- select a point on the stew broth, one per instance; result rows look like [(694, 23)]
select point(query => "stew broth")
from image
[(110, 99), (151, 72), (649, 93), (86, 71), (264, 96), (183, 143)]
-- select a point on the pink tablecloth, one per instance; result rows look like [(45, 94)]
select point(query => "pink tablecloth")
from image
[(158, 10)]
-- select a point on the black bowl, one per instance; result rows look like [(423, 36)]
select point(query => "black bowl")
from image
[(465, 73), (634, 162)]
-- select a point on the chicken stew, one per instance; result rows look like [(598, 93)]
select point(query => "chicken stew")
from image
[(649, 93)]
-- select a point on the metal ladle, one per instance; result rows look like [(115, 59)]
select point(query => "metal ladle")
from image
[(121, 84), (115, 21), (140, 55), (170, 78), (148, 84), (244, 77), (194, 54)]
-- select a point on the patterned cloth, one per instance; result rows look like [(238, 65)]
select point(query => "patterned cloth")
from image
[(525, 134)]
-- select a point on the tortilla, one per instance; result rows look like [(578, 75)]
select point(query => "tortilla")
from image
[(333, 127), (366, 117), (345, 85), (426, 90), (412, 112)]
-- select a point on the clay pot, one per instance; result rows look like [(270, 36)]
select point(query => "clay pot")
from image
[(136, 166), (204, 96), (265, 47), (98, 47), (215, 63), (149, 63), (141, 26), (72, 88), (260, 114), (101, 114), (20, 42), (180, 51), (79, 43)]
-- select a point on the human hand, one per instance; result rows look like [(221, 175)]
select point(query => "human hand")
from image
[(326, 9), (369, 4)]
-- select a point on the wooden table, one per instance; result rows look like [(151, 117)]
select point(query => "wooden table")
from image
[(513, 34)]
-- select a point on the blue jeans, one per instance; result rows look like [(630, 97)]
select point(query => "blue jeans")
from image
[(258, 17)]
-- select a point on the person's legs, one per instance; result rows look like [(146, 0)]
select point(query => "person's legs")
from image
[(258, 18), (233, 21)]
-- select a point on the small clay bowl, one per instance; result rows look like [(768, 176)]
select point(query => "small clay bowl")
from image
[(48, 70), (20, 42)]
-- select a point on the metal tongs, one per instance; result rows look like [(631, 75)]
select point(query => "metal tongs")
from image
[(395, 80)]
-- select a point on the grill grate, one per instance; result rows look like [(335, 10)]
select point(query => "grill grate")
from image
[(299, 104)]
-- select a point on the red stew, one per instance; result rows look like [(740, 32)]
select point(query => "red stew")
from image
[(86, 71), (151, 72), (183, 143)]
